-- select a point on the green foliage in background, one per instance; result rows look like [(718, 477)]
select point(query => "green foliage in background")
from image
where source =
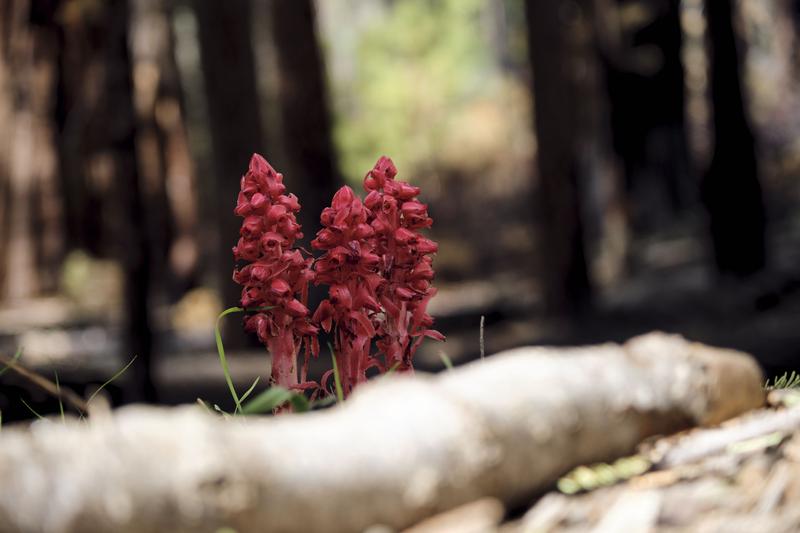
[(416, 67)]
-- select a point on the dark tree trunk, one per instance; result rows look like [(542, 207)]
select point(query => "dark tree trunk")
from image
[(30, 237), (554, 56), (170, 185), (731, 188), (311, 171), (119, 124), (230, 81), (646, 92)]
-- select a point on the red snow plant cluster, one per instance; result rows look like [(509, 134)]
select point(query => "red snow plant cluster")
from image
[(375, 262)]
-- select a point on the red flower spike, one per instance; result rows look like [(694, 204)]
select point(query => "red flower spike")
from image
[(377, 265), (349, 265), (405, 264), (278, 275)]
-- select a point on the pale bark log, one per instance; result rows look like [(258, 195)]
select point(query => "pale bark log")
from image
[(399, 450)]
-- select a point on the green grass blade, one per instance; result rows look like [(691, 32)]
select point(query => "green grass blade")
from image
[(300, 403), (448, 364), (14, 359), (60, 403), (392, 369), (389, 372), (205, 406), (267, 401), (31, 409), (223, 360), (481, 338), (786, 381), (323, 402), (111, 380), (224, 414), (249, 391), (336, 378)]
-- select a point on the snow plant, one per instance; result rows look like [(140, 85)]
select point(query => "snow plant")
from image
[(374, 260)]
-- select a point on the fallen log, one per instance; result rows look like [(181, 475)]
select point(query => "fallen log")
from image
[(401, 449)]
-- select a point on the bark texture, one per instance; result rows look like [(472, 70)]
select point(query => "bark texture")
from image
[(401, 449)]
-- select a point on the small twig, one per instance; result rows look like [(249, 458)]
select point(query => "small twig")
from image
[(483, 345), (46, 385), (697, 446)]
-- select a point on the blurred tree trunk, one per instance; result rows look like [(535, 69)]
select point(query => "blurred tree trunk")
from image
[(556, 57), (731, 190), (167, 174), (30, 245), (311, 170), (149, 40), (118, 119), (641, 53), (80, 84), (230, 81)]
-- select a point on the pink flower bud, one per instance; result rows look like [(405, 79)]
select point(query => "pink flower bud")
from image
[(363, 231), (259, 165), (420, 285), (403, 293), (407, 192), (242, 205), (324, 315), (305, 328), (426, 246), (279, 287), (290, 202), (372, 200), (272, 241), (296, 309), (340, 296), (404, 236), (343, 198), (252, 226), (259, 272), (379, 226), (326, 218), (275, 213), (414, 208), (258, 201), (385, 168), (325, 239)]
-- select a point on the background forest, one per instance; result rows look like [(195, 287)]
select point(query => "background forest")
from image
[(594, 168)]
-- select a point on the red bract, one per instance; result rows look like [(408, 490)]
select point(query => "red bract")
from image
[(349, 265), (405, 265), (277, 275)]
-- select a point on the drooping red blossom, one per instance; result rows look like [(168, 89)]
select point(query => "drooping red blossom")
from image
[(349, 266), (277, 274), (405, 264)]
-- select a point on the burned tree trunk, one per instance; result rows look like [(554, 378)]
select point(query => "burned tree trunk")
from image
[(119, 120), (554, 55), (731, 190), (642, 60), (230, 82), (30, 243), (163, 153), (311, 167)]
